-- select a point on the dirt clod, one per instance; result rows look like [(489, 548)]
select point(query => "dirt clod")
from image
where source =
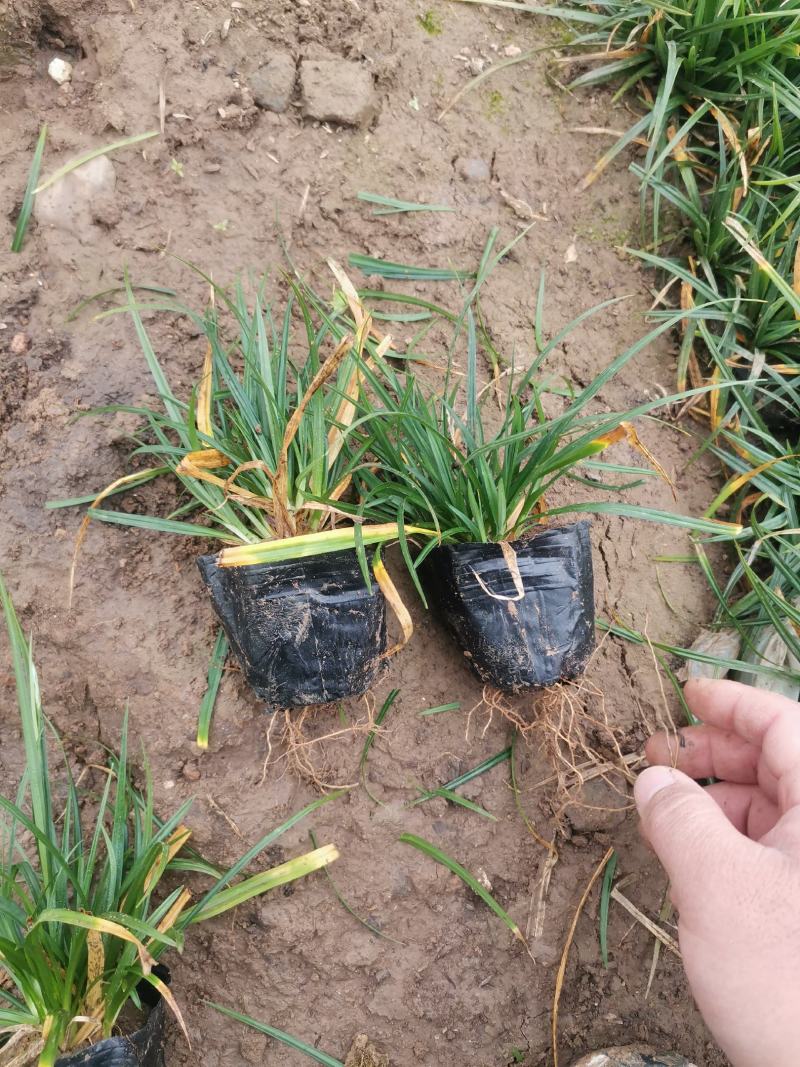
[(273, 83), (472, 169), (20, 343), (337, 91), (364, 1054)]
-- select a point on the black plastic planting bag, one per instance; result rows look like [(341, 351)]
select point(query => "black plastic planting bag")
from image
[(143, 1048), (514, 642), (305, 631)]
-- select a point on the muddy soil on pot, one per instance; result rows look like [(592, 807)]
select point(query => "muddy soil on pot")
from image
[(227, 186)]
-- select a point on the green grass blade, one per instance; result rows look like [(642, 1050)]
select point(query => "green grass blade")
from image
[(439, 709), (348, 907), (104, 150), (152, 522), (215, 671), (385, 268), (605, 899), (387, 205), (456, 798), (279, 1035), (362, 763), (482, 768), (30, 192), (468, 879)]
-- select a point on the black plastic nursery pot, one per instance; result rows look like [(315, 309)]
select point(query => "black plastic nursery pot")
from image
[(305, 631), (143, 1048), (518, 642)]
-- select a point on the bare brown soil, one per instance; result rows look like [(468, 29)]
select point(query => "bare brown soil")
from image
[(451, 988)]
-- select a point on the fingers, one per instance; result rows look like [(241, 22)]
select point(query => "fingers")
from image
[(761, 719), (737, 708), (689, 832), (746, 807), (706, 752)]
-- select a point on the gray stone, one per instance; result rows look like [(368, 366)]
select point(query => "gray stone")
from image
[(335, 90), (632, 1056), (72, 202), (272, 84), (472, 169)]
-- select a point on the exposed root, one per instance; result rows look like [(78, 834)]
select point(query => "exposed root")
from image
[(306, 755), (573, 731)]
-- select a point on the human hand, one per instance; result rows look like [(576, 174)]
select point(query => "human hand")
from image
[(732, 853)]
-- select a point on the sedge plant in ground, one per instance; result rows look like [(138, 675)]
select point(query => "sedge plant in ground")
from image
[(257, 450), (91, 892)]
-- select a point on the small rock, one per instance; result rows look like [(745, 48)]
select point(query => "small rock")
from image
[(512, 50), (364, 1054), (68, 205), (273, 83), (472, 169), (596, 806), (632, 1056), (19, 344), (335, 90), (190, 771), (60, 70)]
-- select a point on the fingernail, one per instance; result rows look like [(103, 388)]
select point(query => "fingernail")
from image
[(651, 781)]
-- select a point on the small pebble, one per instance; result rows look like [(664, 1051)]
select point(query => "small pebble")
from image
[(512, 50), (19, 344), (60, 70), (169, 784), (191, 772)]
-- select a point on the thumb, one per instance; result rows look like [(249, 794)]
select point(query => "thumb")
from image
[(688, 831)]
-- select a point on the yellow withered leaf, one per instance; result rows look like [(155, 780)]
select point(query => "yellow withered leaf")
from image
[(171, 917), (351, 293), (175, 842), (318, 543), (625, 430), (172, 1004), (729, 133), (234, 492), (282, 472), (205, 458), (203, 416), (735, 484), (395, 602), (95, 965), (713, 400)]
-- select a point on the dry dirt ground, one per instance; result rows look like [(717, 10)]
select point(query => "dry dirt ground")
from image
[(227, 191)]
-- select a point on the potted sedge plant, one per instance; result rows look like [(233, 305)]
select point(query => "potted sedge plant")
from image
[(513, 588), (258, 448), (84, 912)]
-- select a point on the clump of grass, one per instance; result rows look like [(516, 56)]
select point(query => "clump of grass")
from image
[(447, 462), (431, 22), (85, 913), (258, 445)]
